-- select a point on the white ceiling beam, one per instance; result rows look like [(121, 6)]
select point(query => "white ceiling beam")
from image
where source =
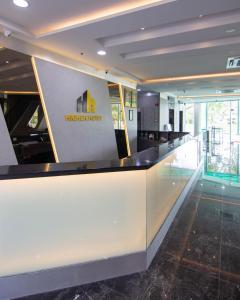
[(183, 48), (119, 72), (207, 22), (15, 28), (103, 15)]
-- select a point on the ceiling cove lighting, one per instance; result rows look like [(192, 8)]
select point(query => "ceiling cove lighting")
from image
[(208, 96), (19, 93), (21, 3), (230, 30), (126, 7), (191, 77), (102, 52)]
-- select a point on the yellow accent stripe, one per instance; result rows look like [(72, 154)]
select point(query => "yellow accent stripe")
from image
[(124, 118), (19, 93), (45, 109)]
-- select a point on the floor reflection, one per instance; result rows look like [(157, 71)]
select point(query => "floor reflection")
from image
[(200, 256)]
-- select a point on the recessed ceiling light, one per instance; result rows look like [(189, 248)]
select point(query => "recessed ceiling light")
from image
[(200, 16), (102, 52), (230, 30), (7, 62), (21, 3), (142, 28)]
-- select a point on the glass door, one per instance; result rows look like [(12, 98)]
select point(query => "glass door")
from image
[(222, 121), (223, 126)]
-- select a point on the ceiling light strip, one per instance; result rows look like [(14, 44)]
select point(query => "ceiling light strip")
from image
[(19, 93), (21, 3), (17, 77), (209, 96), (191, 77)]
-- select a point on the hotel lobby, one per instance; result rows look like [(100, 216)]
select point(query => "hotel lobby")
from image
[(119, 150)]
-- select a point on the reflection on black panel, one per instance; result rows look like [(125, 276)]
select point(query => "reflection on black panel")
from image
[(27, 127)]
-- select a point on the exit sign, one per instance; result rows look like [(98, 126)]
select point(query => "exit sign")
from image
[(233, 62)]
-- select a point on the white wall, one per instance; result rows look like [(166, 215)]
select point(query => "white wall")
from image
[(197, 119), (76, 141), (164, 113), (176, 116), (149, 107), (7, 154)]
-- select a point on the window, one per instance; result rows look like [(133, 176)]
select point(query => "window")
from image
[(117, 116), (189, 125), (35, 119)]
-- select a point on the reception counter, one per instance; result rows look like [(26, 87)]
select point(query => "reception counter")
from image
[(68, 224)]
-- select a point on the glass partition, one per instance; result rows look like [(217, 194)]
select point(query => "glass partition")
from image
[(166, 181)]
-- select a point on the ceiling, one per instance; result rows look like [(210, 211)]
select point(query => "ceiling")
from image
[(181, 37)]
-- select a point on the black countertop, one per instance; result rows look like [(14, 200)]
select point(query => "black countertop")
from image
[(138, 161)]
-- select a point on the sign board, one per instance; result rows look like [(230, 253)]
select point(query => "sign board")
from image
[(85, 104), (233, 62)]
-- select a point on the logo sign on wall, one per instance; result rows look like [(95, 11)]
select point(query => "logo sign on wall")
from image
[(86, 109), (233, 62)]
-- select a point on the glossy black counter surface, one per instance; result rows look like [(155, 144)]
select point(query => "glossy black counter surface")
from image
[(138, 161)]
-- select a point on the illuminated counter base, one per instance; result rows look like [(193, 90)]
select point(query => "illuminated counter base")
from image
[(63, 231)]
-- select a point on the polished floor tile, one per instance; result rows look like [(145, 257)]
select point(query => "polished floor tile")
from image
[(230, 259), (192, 284), (229, 290), (231, 234)]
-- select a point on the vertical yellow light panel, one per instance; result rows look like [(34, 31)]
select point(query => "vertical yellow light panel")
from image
[(45, 109), (124, 118)]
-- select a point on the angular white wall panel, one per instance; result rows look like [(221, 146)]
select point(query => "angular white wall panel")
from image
[(81, 140), (7, 154)]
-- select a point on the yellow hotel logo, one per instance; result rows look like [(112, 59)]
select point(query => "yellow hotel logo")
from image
[(78, 118), (85, 104)]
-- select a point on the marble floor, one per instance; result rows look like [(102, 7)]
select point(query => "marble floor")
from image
[(199, 258)]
